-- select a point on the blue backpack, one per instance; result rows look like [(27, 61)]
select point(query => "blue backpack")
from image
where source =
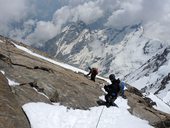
[(122, 86)]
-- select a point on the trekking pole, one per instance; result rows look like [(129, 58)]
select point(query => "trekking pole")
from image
[(100, 117)]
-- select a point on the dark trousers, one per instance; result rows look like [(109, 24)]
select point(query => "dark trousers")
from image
[(110, 99), (93, 77)]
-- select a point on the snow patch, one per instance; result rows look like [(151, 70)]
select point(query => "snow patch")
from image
[(2, 72), (41, 93), (160, 104), (42, 115), (10, 82)]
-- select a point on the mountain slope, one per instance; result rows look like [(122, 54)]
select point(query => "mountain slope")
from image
[(154, 75), (33, 71)]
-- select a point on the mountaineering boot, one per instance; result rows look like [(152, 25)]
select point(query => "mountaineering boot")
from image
[(108, 104)]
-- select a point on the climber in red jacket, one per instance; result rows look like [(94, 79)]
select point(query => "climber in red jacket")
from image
[(93, 72)]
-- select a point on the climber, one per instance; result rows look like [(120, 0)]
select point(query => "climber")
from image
[(93, 72), (112, 90)]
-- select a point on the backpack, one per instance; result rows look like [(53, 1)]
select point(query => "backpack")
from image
[(114, 88), (95, 71), (122, 86)]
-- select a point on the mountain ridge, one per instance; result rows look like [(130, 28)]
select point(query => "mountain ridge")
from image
[(106, 48)]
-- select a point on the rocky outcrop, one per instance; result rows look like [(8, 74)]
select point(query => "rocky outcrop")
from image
[(41, 80), (11, 113), (142, 107), (164, 83)]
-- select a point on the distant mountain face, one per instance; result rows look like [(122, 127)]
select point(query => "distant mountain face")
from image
[(154, 75), (112, 51)]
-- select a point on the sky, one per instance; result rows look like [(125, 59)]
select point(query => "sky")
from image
[(37, 21), (42, 115)]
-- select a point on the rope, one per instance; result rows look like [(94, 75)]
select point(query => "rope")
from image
[(100, 117), (97, 121)]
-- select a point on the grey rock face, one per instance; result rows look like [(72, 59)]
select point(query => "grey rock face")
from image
[(40, 79), (11, 113), (142, 107)]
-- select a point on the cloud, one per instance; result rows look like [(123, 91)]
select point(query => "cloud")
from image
[(153, 14), (75, 3), (27, 28), (49, 16), (12, 11), (126, 14), (88, 12), (43, 32)]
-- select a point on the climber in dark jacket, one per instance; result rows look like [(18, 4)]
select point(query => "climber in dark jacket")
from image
[(93, 72), (112, 90)]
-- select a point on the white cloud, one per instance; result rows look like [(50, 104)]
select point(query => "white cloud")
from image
[(126, 14), (154, 15), (12, 11), (43, 32), (51, 15), (28, 27), (61, 16), (78, 2), (88, 12)]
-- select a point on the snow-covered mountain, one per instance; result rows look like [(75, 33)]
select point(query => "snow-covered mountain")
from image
[(113, 51), (154, 75), (122, 52)]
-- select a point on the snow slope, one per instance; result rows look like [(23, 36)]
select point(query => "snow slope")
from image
[(154, 76), (43, 115)]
